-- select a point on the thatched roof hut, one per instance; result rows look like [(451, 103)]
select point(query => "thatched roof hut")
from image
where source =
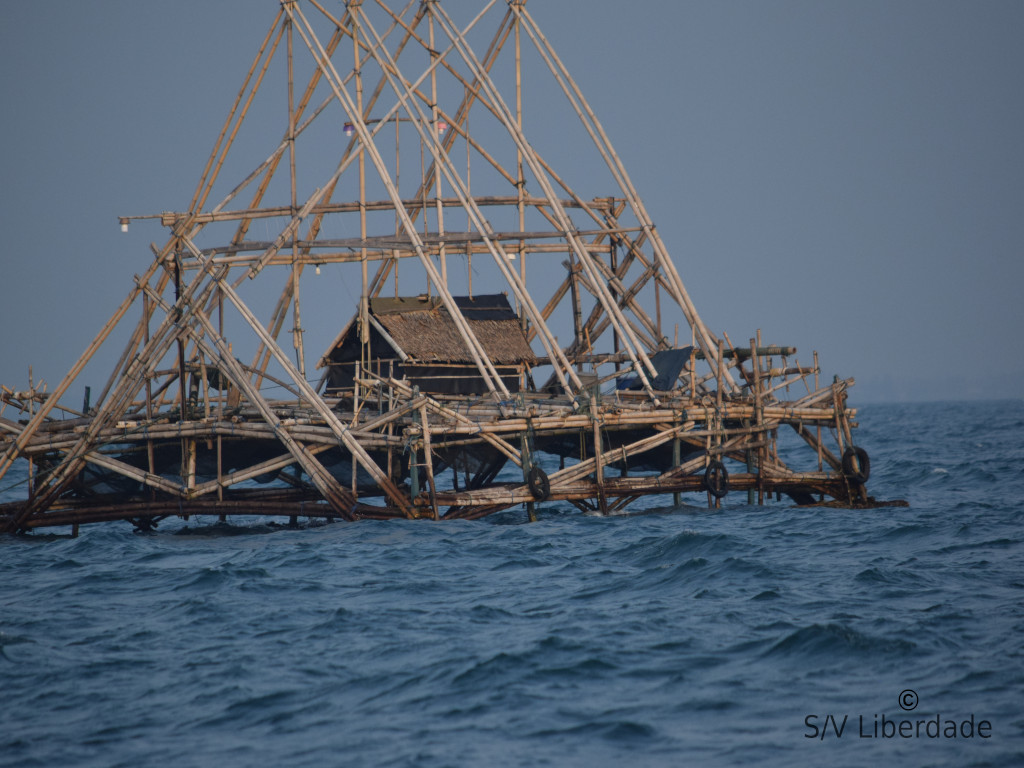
[(416, 338)]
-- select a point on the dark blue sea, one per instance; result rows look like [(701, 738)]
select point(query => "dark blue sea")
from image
[(767, 636)]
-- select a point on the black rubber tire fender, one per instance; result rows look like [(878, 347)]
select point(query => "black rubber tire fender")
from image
[(716, 479), (861, 471), (538, 482)]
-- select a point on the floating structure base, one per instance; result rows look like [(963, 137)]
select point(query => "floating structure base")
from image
[(443, 457)]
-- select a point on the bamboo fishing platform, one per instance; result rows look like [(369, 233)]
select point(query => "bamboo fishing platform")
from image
[(402, 135)]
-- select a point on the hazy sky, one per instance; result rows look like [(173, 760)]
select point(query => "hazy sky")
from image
[(846, 176)]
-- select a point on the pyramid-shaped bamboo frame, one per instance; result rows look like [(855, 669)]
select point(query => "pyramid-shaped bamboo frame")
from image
[(178, 388)]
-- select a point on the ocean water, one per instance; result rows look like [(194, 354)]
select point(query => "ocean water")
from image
[(768, 636)]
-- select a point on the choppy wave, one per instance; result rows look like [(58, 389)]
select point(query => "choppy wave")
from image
[(697, 637)]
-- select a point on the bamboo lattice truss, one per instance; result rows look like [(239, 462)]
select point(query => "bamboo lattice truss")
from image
[(400, 135)]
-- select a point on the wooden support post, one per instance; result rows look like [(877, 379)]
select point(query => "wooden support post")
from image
[(391, 424), (414, 473), (598, 464), (657, 308), (527, 455), (431, 484), (220, 473), (693, 367), (355, 391), (677, 498), (755, 363), (190, 476), (524, 451), (751, 467), (355, 419), (520, 179), (816, 386), (577, 310), (719, 372), (836, 409), (614, 258)]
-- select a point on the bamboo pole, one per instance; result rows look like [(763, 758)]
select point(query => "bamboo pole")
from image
[(598, 455), (577, 308), (586, 466), (600, 139), (364, 297), (129, 385), (427, 455), (131, 348), (676, 461), (435, 125), (200, 195), (296, 267), (340, 499), (489, 375), (452, 175), (255, 211), (472, 95), (12, 452), (755, 363), (520, 178), (816, 386), (718, 428), (600, 327), (308, 393), (316, 431), (468, 424), (388, 66), (202, 192), (269, 167), (637, 353)]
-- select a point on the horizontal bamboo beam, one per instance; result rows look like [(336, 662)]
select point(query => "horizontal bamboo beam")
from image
[(582, 489), (172, 219), (316, 431), (402, 243), (741, 353), (133, 510)]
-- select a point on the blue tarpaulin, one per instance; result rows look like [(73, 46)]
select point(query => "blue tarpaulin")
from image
[(667, 362)]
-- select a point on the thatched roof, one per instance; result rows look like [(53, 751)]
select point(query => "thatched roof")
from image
[(422, 328)]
